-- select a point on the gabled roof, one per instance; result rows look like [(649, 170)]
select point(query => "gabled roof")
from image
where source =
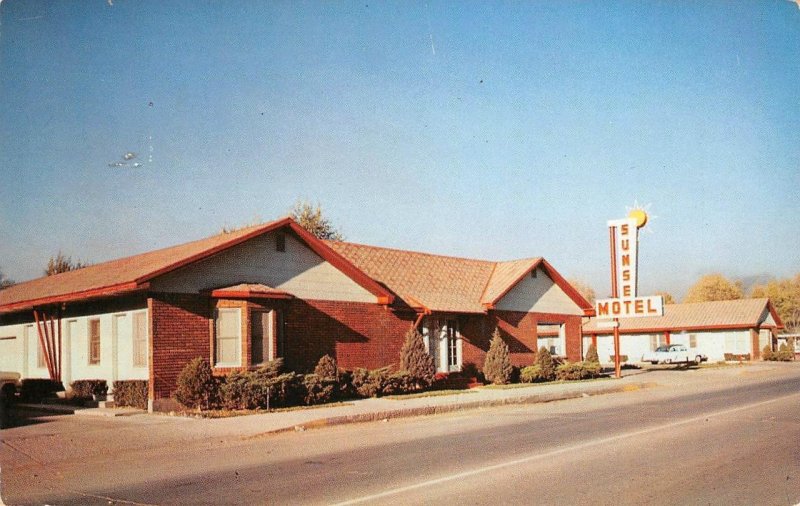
[(425, 282), (717, 315), (133, 273), (429, 282)]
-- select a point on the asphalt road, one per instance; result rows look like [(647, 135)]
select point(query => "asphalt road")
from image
[(730, 446)]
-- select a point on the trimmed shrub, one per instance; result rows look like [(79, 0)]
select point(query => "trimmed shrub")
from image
[(497, 366), (400, 382), (326, 368), (591, 354), (785, 354), (577, 371), (87, 388), (416, 361), (261, 389), (531, 374), (319, 389), (345, 388), (546, 363), (766, 353), (131, 393), (369, 383), (196, 386), (36, 389)]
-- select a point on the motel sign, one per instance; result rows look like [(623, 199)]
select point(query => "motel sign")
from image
[(624, 301)]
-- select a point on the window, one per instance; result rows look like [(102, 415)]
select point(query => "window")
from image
[(40, 362), (452, 345), (94, 341), (692, 341), (280, 241), (262, 325), (140, 339), (228, 336)]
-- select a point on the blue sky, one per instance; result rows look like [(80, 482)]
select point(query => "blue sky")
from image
[(493, 130)]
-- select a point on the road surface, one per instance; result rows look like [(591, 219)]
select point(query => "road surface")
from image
[(726, 446)]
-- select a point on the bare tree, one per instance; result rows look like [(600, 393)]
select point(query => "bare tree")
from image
[(4, 281), (312, 219), (62, 263)]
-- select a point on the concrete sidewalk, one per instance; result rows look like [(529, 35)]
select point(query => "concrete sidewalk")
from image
[(385, 408)]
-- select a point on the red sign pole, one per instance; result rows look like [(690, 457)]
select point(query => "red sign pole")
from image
[(614, 294)]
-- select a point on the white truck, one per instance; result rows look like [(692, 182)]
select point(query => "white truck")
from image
[(674, 354)]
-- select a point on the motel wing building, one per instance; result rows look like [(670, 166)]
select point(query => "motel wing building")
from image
[(274, 290), (730, 327)]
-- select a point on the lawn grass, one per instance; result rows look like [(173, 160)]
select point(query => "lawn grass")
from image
[(229, 413)]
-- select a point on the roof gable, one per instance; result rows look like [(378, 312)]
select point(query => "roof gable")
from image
[(135, 272)]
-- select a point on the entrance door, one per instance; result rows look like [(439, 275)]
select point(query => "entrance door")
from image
[(451, 336)]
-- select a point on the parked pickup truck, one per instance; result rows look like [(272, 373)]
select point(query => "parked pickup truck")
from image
[(674, 354), (9, 382)]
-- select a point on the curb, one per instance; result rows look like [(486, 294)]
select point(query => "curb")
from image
[(449, 408)]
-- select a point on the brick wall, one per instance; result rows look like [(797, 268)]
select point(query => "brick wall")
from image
[(179, 332), (356, 334), (518, 330)]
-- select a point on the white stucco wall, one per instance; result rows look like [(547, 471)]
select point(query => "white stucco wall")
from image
[(540, 295), (298, 270), (713, 344), (116, 349)]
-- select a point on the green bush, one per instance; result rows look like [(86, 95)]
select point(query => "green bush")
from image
[(531, 374), (569, 371), (370, 383), (261, 389), (345, 388), (416, 361), (400, 382), (546, 363), (591, 354), (326, 368), (497, 366), (87, 388), (319, 389), (37, 389), (785, 354), (766, 353), (131, 393), (196, 385)]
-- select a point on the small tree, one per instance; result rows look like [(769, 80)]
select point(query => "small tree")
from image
[(416, 361), (591, 354), (62, 263), (546, 363), (326, 368), (767, 353), (312, 219), (4, 281), (196, 385), (497, 366)]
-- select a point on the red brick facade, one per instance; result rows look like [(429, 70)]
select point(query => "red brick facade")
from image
[(356, 334), (179, 332), (518, 330)]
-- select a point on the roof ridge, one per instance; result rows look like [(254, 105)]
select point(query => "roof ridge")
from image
[(438, 255)]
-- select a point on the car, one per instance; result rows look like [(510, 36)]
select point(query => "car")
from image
[(674, 354), (9, 383)]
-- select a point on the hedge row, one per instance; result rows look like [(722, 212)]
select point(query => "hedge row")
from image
[(269, 387)]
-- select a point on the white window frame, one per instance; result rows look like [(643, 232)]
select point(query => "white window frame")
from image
[(238, 338)]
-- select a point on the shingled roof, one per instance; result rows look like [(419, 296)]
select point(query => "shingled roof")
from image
[(443, 283), (133, 273), (425, 282), (719, 315)]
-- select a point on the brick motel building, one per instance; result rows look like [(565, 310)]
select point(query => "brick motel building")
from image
[(243, 298)]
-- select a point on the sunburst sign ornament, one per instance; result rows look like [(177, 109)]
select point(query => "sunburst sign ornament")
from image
[(624, 301)]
